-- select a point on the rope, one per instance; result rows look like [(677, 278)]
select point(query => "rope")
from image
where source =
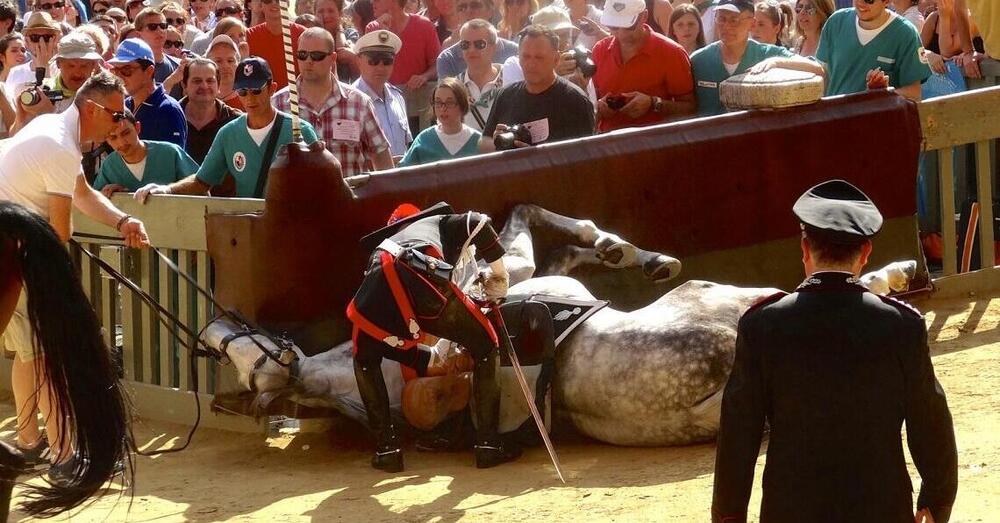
[(293, 87)]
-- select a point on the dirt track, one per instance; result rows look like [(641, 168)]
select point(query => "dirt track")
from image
[(238, 477)]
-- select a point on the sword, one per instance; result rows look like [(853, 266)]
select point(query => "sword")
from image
[(523, 382)]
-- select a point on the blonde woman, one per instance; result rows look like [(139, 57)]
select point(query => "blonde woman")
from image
[(810, 17), (514, 16)]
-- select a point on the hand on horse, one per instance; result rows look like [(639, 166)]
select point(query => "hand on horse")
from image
[(134, 233)]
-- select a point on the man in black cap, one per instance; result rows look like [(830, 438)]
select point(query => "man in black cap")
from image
[(835, 371), (413, 288)]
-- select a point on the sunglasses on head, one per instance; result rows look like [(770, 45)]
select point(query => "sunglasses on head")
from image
[(54, 5), (470, 6), (167, 44), (154, 26), (383, 58), (120, 19), (116, 116), (316, 56), (36, 38), (176, 21), (227, 11), (808, 9), (247, 91), (479, 44)]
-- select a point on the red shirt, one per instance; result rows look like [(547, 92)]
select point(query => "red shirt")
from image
[(660, 68), (268, 46), (420, 48)]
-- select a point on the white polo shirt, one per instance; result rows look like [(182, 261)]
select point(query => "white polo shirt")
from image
[(42, 159)]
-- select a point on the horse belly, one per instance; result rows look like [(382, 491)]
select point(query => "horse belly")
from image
[(645, 387)]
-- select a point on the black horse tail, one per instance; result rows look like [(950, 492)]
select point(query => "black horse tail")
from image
[(77, 364)]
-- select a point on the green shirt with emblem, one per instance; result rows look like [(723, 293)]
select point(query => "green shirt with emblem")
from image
[(896, 50), (235, 151), (709, 71), (165, 163)]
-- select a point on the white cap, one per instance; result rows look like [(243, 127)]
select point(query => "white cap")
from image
[(378, 40), (226, 41), (553, 18), (622, 13)]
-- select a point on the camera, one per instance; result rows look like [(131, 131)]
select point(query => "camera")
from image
[(31, 97), (584, 61), (615, 101), (505, 140)]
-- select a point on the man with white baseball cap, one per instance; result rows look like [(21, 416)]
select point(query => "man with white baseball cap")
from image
[(643, 77)]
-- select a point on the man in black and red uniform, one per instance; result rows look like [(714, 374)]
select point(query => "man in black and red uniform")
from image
[(412, 288)]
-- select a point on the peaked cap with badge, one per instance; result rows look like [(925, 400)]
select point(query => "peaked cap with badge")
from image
[(838, 212), (378, 41)]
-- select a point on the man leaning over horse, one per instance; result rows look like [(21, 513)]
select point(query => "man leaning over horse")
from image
[(413, 288), (40, 169)]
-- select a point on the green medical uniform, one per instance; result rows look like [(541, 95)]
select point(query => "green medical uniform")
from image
[(165, 163), (235, 151), (709, 71), (896, 50)]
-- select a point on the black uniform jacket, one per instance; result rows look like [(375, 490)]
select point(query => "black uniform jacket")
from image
[(447, 233), (835, 371)]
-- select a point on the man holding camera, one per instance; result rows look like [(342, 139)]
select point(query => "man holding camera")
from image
[(41, 37), (643, 77), (545, 107)]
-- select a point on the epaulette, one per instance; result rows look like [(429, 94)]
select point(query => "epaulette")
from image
[(766, 300), (901, 305)]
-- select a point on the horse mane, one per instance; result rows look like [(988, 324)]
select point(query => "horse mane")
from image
[(76, 362)]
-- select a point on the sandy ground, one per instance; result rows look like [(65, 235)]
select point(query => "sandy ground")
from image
[(298, 477)]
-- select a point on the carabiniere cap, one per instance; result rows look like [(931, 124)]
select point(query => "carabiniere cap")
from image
[(838, 212)]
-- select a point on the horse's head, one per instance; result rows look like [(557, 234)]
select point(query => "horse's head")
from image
[(895, 277)]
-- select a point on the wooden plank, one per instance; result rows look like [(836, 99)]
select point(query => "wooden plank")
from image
[(946, 181), (984, 185), (146, 319), (86, 268), (166, 355), (960, 118), (178, 406), (203, 316), (109, 295), (175, 222), (131, 334), (186, 313)]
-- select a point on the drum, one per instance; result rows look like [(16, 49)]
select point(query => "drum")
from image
[(773, 89)]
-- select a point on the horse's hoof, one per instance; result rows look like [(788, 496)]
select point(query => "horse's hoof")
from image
[(661, 268), (495, 453), (388, 459)]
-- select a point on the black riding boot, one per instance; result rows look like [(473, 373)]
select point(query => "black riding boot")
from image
[(490, 450), (388, 454)]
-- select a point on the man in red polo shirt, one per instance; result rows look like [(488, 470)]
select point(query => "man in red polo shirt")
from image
[(643, 77), (416, 62), (265, 41)]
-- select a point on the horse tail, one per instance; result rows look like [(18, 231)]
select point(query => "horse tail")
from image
[(77, 364)]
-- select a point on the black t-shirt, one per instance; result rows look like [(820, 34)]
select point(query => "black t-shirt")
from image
[(564, 107)]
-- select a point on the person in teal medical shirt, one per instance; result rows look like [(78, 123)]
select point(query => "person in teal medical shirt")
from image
[(734, 53), (450, 138), (138, 162), (865, 47)]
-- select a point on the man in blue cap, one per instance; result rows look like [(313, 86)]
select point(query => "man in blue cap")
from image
[(246, 146), (161, 116), (835, 371)]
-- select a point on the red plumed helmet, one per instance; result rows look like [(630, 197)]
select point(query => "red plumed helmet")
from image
[(403, 211)]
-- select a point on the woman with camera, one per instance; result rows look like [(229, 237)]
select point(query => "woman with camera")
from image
[(450, 138)]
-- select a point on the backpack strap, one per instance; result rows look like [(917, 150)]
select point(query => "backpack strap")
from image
[(265, 164)]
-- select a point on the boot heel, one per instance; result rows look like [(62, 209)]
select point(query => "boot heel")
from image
[(388, 459)]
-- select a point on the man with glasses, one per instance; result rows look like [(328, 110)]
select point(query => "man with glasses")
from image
[(645, 75), (77, 60), (734, 53), (41, 37), (343, 115), (451, 61), (865, 47), (242, 145), (265, 40), (478, 42), (152, 27), (174, 15), (377, 56), (161, 116), (57, 10)]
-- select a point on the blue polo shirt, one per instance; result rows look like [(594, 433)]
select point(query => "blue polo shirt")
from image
[(390, 111), (161, 117), (166, 163), (709, 71)]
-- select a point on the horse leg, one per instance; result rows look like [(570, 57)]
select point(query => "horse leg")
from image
[(519, 256)]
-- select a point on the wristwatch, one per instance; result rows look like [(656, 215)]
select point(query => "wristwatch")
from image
[(657, 105)]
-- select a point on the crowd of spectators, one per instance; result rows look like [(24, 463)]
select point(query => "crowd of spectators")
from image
[(386, 83)]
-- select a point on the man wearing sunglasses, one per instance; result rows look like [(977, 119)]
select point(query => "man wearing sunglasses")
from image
[(647, 71), (265, 40), (161, 116), (57, 10), (377, 56), (343, 115), (176, 16), (865, 47), (478, 41), (241, 147), (451, 61), (41, 37), (152, 26)]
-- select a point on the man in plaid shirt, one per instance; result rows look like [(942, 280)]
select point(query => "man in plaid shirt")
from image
[(343, 116)]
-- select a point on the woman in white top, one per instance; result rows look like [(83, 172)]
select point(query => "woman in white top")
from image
[(810, 17), (12, 53), (450, 138), (909, 10)]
